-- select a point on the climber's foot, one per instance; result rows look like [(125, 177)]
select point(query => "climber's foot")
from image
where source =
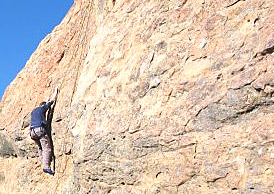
[(49, 171)]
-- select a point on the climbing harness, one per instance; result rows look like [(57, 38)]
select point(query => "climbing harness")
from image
[(34, 135)]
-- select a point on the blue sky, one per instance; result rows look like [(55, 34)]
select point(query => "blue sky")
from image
[(23, 24)]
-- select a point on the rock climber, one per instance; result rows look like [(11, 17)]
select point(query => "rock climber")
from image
[(39, 134)]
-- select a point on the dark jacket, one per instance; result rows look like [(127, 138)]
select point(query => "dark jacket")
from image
[(38, 115)]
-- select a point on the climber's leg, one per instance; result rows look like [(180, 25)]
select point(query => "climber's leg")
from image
[(39, 150), (35, 135), (46, 151)]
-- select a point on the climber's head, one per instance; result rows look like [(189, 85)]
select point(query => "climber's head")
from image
[(42, 103)]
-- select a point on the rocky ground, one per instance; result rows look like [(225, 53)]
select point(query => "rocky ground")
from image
[(159, 96)]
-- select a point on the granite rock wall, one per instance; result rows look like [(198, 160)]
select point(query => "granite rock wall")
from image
[(159, 96)]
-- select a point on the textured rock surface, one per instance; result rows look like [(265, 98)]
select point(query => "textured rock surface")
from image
[(156, 97)]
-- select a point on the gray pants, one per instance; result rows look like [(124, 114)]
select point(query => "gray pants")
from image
[(44, 146)]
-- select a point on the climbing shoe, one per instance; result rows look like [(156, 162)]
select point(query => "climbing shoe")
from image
[(49, 171)]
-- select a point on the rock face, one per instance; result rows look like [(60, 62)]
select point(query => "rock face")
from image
[(166, 96)]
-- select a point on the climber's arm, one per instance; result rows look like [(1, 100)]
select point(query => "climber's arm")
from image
[(54, 95), (50, 100)]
